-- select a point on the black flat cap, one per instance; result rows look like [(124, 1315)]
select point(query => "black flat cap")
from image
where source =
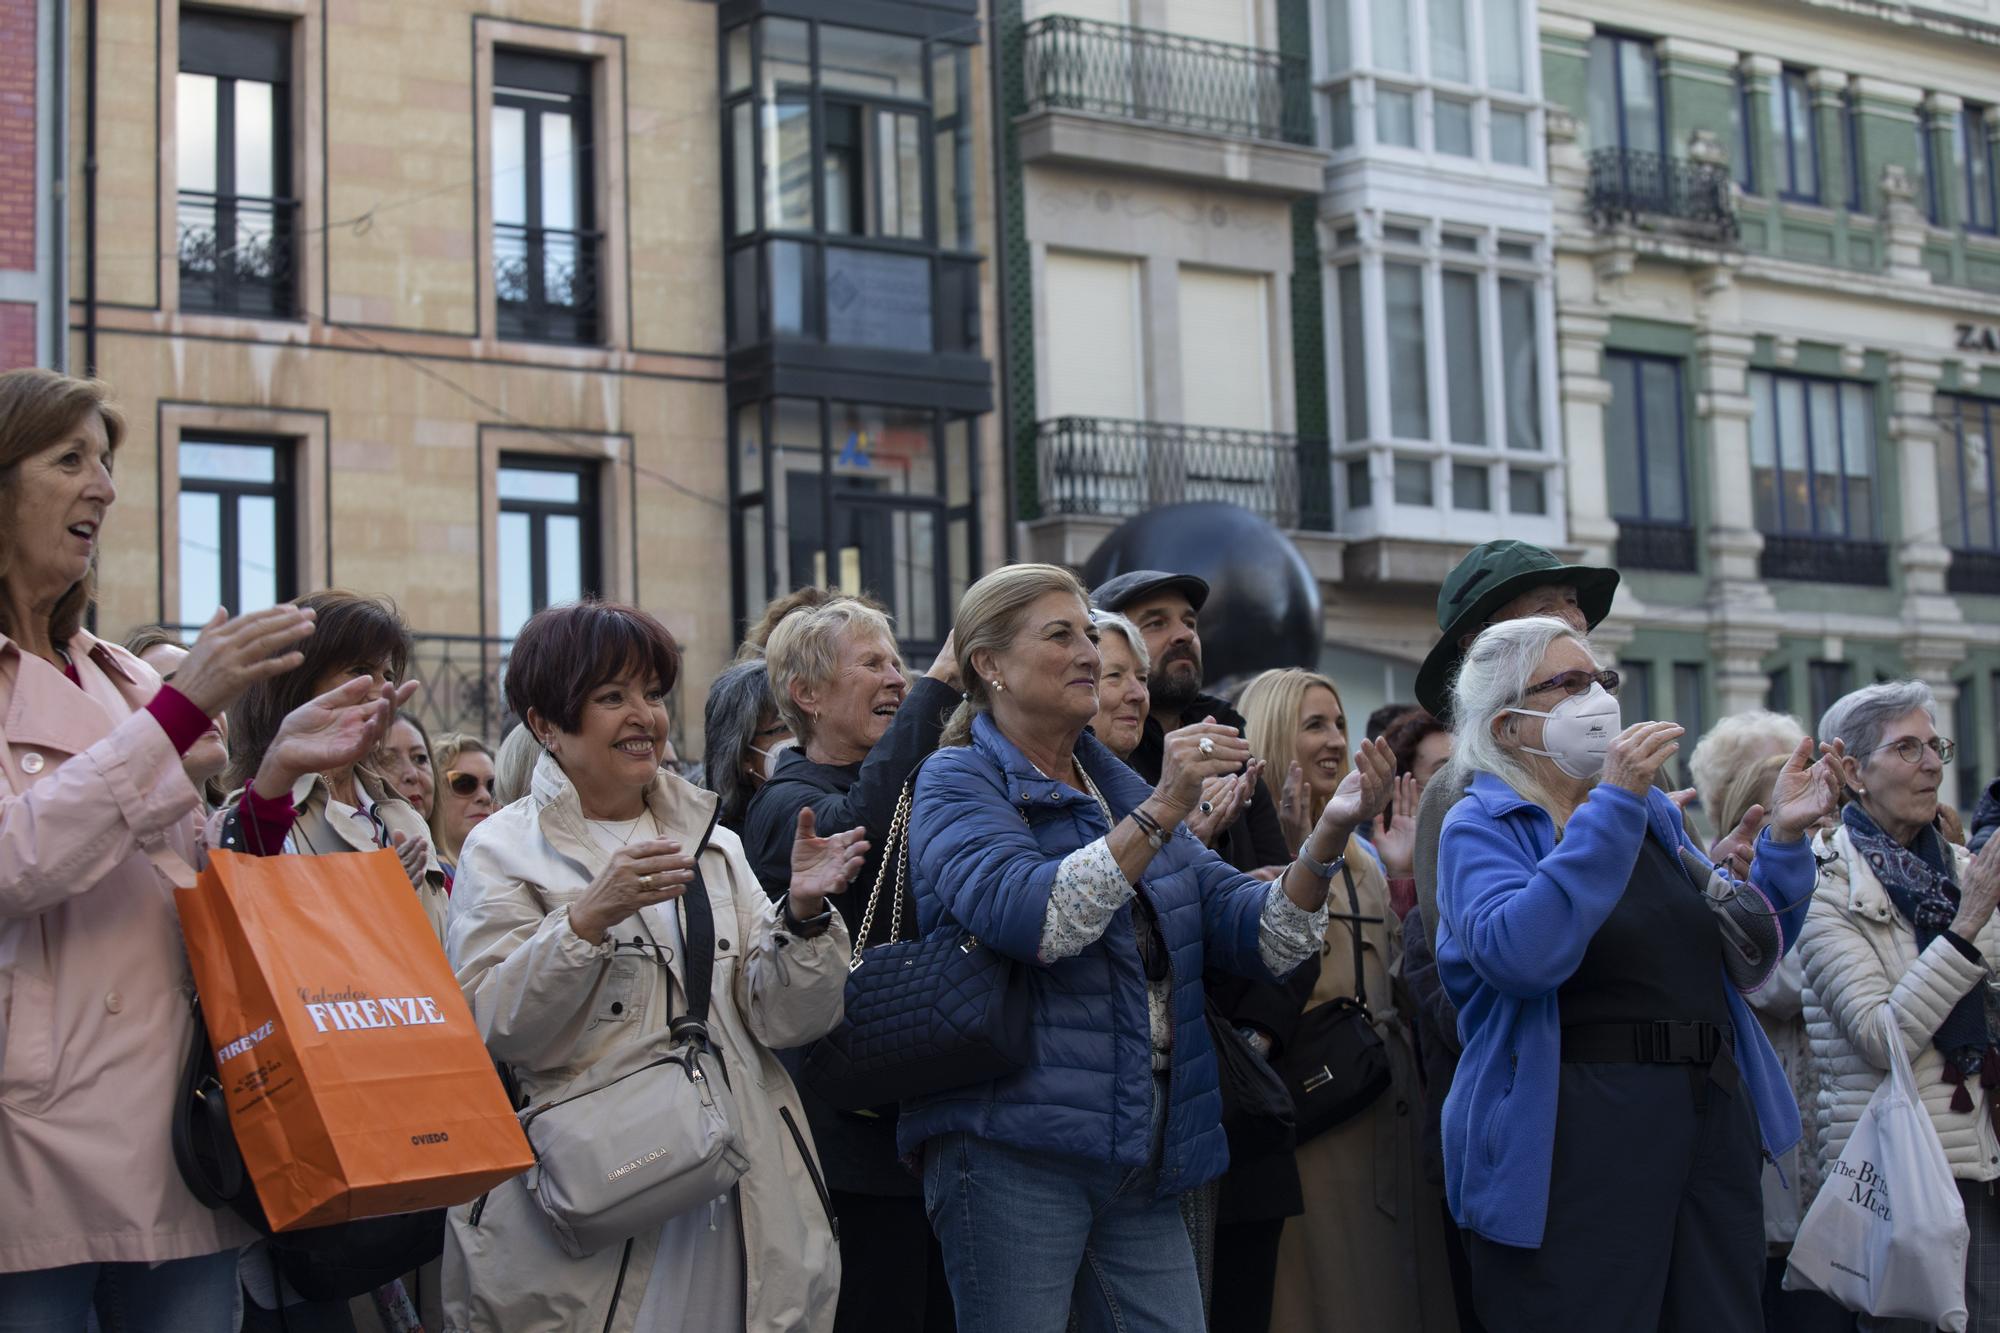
[(1121, 590)]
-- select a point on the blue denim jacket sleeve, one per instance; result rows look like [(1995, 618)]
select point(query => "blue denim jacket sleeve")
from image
[(970, 848), (1524, 921)]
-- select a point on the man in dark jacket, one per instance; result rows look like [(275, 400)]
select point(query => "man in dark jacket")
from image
[(1985, 816), (1259, 1192)]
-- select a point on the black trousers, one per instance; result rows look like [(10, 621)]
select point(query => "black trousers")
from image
[(891, 1271), (1246, 1273), (1656, 1214)]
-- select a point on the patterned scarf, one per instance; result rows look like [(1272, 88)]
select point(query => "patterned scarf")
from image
[(1918, 881)]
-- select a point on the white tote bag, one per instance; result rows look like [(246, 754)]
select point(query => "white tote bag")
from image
[(1887, 1234)]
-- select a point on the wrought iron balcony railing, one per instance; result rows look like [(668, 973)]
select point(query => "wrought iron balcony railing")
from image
[(1075, 64), (461, 676), (1103, 466), (1825, 560), (1973, 572), (1628, 186), (545, 280), (237, 253), (1664, 546)]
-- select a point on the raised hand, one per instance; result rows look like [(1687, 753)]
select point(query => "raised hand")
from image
[(1734, 850), (1639, 753), (1361, 795), (337, 730), (1978, 893), (231, 655), (1292, 820), (1185, 765), (823, 866), (639, 875), (1806, 791), (1225, 797), (944, 667), (415, 854), (1394, 831)]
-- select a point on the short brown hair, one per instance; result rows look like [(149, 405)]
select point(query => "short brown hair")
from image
[(349, 630), (37, 408), (565, 652), (1407, 733)]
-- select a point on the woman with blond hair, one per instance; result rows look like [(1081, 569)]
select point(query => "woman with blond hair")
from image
[(1057, 1187), (1363, 1216), (468, 791)]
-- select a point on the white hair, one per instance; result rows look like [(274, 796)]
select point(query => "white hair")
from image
[(1734, 744), (1113, 620), (1860, 717), (1495, 676)]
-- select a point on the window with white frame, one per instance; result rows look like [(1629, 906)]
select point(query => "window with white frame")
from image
[(1439, 334), (1447, 78)]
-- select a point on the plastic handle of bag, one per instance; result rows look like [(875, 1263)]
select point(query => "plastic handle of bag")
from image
[(1900, 1073)]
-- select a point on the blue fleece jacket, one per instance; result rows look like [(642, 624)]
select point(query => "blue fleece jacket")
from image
[(988, 833), (1517, 911)]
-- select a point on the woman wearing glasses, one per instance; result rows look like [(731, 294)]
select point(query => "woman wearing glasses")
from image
[(1602, 1138), (466, 793), (1903, 917)]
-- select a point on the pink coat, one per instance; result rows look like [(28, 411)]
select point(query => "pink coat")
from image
[(94, 986)]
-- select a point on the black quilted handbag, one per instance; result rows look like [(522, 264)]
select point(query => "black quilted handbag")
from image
[(923, 1016), (1335, 1064)]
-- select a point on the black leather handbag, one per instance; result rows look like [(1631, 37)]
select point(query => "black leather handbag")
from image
[(327, 1263), (1335, 1065), (1257, 1111), (922, 1016)]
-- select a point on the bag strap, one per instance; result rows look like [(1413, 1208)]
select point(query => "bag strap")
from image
[(896, 853), (1354, 934), (698, 941)]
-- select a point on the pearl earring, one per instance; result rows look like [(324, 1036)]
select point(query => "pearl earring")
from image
[(998, 687)]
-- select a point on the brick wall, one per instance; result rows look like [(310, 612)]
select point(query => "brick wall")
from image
[(17, 335), (17, 135)]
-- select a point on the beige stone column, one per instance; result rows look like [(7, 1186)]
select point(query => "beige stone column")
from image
[(1743, 619), (1933, 645)]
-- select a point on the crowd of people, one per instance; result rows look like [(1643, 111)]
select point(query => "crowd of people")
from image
[(1527, 1085)]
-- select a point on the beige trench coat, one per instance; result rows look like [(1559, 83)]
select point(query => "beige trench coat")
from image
[(551, 1006), (94, 985), (1368, 1252)]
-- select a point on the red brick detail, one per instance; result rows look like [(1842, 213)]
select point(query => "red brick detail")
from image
[(17, 134), (17, 335)]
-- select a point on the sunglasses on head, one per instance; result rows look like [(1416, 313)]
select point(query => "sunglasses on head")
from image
[(464, 784), (1576, 681)]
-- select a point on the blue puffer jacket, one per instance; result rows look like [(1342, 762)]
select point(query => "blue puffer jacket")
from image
[(987, 833), (1516, 912)]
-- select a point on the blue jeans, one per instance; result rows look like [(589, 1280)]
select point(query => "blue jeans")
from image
[(180, 1296), (1028, 1236)]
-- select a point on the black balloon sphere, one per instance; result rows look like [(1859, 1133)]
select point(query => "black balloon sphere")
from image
[(1263, 606)]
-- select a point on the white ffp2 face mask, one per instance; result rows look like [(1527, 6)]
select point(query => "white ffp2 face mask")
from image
[(771, 755), (1578, 731)]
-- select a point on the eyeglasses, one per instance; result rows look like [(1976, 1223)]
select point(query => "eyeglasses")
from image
[(1911, 750), (1574, 682), (464, 784)]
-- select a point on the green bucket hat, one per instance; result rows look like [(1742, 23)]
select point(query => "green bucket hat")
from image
[(1486, 580)]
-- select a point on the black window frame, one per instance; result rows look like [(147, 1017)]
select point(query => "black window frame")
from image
[(1975, 566), (1644, 540), (1788, 188), (1850, 128), (281, 490), (1619, 40), (1928, 164), (230, 48), (1982, 207), (588, 510), (752, 252), (1810, 553), (1745, 147), (837, 502), (538, 83)]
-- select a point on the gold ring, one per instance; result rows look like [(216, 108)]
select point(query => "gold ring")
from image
[(646, 883)]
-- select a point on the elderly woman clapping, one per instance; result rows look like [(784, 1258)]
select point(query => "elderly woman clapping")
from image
[(1057, 1187), (567, 939), (837, 682), (1604, 1133), (1903, 918), (94, 985)]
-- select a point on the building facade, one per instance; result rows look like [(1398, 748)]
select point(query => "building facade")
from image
[(33, 42), (1778, 290), (482, 309)]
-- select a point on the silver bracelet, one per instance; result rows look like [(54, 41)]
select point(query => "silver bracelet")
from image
[(1323, 869)]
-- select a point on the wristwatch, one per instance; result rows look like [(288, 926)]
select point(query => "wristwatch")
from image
[(1323, 869)]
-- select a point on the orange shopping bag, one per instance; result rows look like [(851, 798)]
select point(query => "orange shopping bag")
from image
[(356, 1081)]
